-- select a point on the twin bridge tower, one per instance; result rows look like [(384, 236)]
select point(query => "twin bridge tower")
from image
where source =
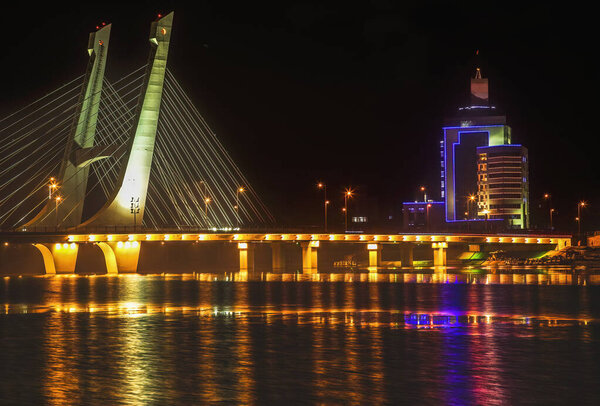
[(131, 188)]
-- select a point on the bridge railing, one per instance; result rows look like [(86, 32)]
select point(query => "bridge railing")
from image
[(275, 229)]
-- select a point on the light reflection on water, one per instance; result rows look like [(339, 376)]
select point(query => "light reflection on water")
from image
[(458, 337)]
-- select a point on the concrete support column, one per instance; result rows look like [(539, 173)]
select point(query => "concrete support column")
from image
[(49, 267), (127, 254), (110, 258), (59, 257), (309, 256), (407, 255), (278, 263), (439, 253), (374, 256), (246, 252)]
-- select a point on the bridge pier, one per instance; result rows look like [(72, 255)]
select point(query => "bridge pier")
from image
[(278, 258), (110, 258), (407, 254), (58, 258), (246, 253), (374, 256), (309, 256), (49, 268), (439, 253)]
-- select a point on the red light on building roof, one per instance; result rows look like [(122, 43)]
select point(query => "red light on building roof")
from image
[(103, 24), (97, 27), (160, 16)]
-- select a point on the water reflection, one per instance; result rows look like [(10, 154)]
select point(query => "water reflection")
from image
[(456, 337)]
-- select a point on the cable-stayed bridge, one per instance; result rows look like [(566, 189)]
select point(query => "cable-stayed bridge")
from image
[(93, 174), (134, 153)]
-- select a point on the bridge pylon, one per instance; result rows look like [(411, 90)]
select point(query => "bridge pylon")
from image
[(79, 152), (132, 184)]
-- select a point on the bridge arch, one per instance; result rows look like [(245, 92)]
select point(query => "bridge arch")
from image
[(48, 258), (109, 258)]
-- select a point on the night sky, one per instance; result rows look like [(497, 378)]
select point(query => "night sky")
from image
[(349, 93)]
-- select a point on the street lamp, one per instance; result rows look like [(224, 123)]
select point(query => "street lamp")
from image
[(548, 198), (424, 193), (135, 209), (237, 202), (428, 207), (206, 202), (347, 195), (580, 205), (323, 186), (51, 187), (470, 201), (57, 199), (551, 213)]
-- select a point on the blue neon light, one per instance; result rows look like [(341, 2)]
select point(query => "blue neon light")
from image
[(460, 133), (475, 126), (501, 145), (413, 203)]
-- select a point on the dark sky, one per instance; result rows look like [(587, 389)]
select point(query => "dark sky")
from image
[(351, 93)]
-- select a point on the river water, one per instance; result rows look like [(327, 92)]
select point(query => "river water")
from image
[(420, 337)]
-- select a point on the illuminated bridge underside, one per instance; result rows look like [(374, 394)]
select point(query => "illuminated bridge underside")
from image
[(121, 252), (559, 241)]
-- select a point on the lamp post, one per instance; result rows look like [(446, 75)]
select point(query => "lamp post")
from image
[(51, 187), (206, 202), (57, 199), (580, 205), (347, 195), (428, 207), (548, 199), (135, 209), (551, 213), (470, 202), (323, 186), (424, 190), (237, 202)]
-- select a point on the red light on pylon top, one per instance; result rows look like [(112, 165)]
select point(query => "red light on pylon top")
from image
[(160, 16), (103, 24), (97, 27)]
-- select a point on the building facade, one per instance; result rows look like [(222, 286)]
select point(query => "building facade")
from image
[(503, 184)]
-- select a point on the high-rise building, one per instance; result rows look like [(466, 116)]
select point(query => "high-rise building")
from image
[(477, 125), (503, 184)]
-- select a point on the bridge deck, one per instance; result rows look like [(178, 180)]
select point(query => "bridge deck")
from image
[(559, 240)]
